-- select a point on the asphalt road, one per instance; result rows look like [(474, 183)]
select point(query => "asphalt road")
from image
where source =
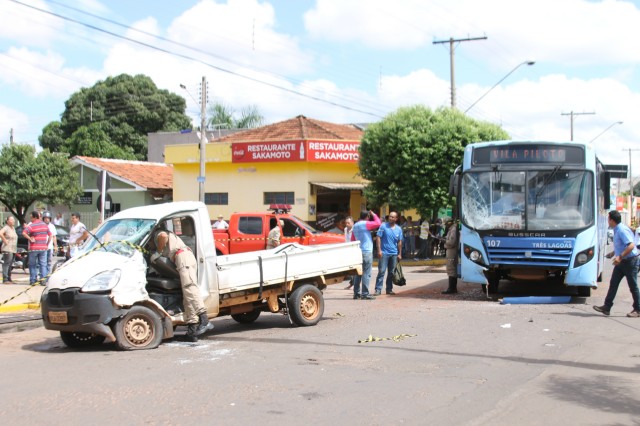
[(467, 360)]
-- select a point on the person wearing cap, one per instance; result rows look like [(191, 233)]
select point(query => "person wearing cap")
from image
[(53, 242), (220, 223)]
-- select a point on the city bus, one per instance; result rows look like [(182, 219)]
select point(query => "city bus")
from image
[(531, 211)]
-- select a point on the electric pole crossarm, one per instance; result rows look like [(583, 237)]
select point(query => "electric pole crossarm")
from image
[(451, 41)]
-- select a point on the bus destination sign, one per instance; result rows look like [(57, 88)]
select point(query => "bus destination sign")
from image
[(512, 154)]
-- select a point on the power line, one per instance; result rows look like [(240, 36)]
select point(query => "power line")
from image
[(190, 58)]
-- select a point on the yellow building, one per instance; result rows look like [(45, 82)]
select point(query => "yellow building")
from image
[(310, 164)]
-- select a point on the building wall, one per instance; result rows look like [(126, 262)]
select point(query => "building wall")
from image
[(246, 183)]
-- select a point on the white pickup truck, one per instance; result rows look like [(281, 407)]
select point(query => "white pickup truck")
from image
[(109, 292)]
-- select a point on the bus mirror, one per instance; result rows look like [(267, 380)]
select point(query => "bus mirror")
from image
[(453, 185), (606, 190)]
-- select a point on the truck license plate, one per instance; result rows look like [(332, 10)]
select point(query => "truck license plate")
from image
[(58, 317)]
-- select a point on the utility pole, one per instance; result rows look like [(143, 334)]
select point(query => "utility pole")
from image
[(451, 56), (203, 137), (631, 217), (11, 136), (571, 114)]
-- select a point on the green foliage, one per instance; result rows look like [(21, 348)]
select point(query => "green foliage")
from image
[(222, 116), (410, 155), (26, 178), (125, 109)]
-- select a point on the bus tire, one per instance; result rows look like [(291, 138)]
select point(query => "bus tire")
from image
[(584, 291), (306, 305)]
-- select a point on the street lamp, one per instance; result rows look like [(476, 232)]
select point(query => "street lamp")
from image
[(604, 131), (183, 87), (498, 83)]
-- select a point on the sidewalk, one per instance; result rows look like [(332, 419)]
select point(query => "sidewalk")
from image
[(19, 296)]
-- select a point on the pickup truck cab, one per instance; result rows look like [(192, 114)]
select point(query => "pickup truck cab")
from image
[(248, 231), (111, 292)]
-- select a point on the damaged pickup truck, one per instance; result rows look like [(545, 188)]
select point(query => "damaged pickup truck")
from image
[(111, 291)]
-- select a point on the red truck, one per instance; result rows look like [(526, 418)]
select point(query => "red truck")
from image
[(248, 231)]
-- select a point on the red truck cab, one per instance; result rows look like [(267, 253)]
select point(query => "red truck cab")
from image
[(249, 231)]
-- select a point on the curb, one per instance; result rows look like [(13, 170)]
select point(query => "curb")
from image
[(19, 307)]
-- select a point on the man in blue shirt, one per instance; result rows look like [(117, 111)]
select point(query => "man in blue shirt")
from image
[(368, 222), (625, 264), (389, 241)]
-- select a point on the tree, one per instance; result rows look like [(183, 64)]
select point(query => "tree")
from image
[(410, 155), (26, 178), (222, 116), (125, 108)]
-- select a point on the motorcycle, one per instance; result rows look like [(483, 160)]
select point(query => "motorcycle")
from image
[(21, 260)]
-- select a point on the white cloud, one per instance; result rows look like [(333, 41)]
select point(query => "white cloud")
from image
[(569, 32), (41, 75), (27, 26)]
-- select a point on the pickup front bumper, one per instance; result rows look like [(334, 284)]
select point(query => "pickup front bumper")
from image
[(73, 311)]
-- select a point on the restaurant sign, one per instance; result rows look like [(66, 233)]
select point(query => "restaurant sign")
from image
[(286, 151)]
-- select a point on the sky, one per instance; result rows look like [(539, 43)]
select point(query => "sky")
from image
[(343, 61)]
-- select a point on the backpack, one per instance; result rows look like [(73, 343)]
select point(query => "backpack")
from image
[(398, 277)]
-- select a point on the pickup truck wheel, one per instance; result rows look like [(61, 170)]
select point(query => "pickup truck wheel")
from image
[(306, 305), (140, 328), (246, 317), (80, 340)]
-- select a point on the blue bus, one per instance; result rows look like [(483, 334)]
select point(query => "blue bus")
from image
[(532, 211)]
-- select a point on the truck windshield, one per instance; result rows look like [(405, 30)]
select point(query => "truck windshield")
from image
[(120, 236), (528, 200)]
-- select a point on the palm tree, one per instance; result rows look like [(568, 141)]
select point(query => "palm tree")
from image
[(222, 116)]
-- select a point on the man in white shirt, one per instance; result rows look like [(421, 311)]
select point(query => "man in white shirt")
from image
[(77, 234), (52, 248), (220, 223)]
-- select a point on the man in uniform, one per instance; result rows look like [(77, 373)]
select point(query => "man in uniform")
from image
[(174, 249), (275, 235)]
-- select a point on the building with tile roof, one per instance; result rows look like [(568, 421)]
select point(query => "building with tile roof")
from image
[(308, 163), (131, 184)]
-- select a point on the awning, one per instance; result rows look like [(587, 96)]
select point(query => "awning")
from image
[(351, 186)]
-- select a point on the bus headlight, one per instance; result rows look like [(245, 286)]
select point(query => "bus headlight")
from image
[(473, 254), (584, 257)]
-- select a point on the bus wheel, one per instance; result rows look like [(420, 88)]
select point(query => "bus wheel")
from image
[(494, 282), (584, 291)]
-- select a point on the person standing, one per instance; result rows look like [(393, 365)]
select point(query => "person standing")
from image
[(38, 234), (220, 223), (451, 246), (9, 248), (174, 249), (77, 235), (348, 231), (625, 264), (338, 226), (275, 235), (52, 248), (389, 242), (424, 240), (368, 222), (59, 221)]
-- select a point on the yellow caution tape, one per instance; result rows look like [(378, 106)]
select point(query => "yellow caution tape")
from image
[(379, 339)]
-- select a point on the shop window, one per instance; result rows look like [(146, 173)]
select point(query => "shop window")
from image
[(279, 198), (216, 198)]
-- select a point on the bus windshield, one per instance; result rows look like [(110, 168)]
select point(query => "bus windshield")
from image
[(531, 200)]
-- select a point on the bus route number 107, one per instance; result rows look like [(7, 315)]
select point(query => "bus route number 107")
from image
[(493, 243)]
